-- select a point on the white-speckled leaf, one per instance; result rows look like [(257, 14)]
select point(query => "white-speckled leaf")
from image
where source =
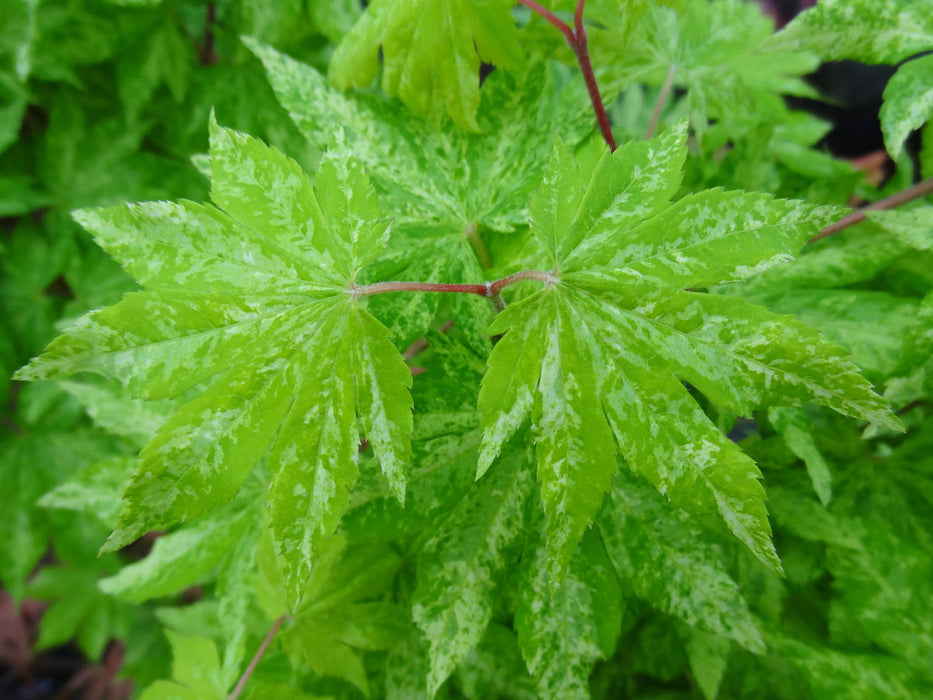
[(670, 561), (507, 394), (383, 399), (667, 438), (705, 238), (573, 440), (871, 31), (467, 558), (797, 430), (740, 355), (431, 52), (546, 367), (714, 52), (346, 384), (578, 216), (182, 558), (914, 227), (859, 673), (426, 175), (196, 247), (615, 334), (563, 635), (908, 101), (250, 306)]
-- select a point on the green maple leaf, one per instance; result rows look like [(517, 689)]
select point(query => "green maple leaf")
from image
[(831, 672), (443, 187), (32, 465), (340, 614), (250, 303), (596, 358), (462, 566), (872, 325), (913, 227), (94, 491), (672, 563), (913, 378), (562, 635), (431, 52), (163, 55), (78, 609), (433, 177), (184, 557), (871, 31), (196, 672), (795, 427), (716, 51), (908, 101)]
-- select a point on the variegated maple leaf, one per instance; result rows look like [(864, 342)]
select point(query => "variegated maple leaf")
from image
[(598, 358), (248, 306)]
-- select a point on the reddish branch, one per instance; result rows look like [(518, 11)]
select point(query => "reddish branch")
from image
[(576, 39), (921, 189), (487, 289), (257, 657)]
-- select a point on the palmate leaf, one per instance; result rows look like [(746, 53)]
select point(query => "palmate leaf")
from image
[(716, 50), (79, 610), (431, 52), (596, 358), (251, 304), (442, 186)]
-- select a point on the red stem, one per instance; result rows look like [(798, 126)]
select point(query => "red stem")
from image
[(552, 18), (576, 39), (921, 189), (256, 659), (578, 17), (487, 289)]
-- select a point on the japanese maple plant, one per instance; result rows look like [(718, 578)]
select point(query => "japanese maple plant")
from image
[(581, 381)]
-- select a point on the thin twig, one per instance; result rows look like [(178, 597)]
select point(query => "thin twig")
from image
[(578, 17), (487, 289), (256, 659), (576, 39), (921, 189), (496, 287), (662, 100), (552, 18), (583, 58)]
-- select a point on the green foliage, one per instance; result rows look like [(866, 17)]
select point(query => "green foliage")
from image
[(431, 52), (717, 52), (638, 453)]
